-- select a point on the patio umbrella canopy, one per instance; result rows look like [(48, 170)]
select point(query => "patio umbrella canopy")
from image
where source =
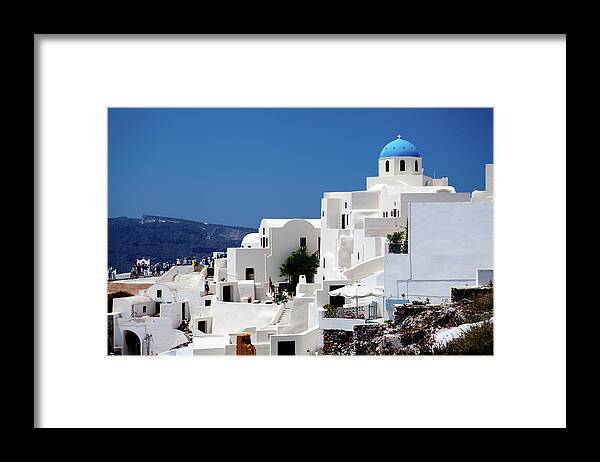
[(357, 291)]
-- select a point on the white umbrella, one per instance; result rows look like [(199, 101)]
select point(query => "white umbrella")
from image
[(357, 291)]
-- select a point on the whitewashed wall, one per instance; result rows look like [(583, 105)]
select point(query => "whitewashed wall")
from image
[(306, 342), (284, 240), (448, 244), (238, 259), (450, 240), (233, 317)]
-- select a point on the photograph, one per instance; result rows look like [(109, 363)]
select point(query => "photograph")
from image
[(300, 231)]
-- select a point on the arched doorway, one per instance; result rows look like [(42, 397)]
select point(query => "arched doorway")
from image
[(132, 344)]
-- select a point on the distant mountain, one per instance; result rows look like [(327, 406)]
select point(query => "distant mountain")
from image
[(165, 239)]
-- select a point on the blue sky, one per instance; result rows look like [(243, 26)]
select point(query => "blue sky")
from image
[(236, 166)]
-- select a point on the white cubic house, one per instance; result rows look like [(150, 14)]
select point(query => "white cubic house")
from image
[(449, 245)]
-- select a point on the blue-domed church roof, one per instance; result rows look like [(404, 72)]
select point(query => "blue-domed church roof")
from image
[(399, 147)]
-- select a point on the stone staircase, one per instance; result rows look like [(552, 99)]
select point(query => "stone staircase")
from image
[(286, 315)]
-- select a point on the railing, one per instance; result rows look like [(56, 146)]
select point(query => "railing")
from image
[(350, 312), (400, 247)]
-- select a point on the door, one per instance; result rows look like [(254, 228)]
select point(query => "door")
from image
[(132, 342), (182, 311), (373, 310), (286, 348), (226, 293), (336, 300), (157, 307)]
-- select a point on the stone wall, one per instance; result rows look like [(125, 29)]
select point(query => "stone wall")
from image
[(364, 336), (413, 329), (338, 342), (470, 293)]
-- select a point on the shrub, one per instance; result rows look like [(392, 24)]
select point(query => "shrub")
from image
[(330, 311), (398, 236), (280, 298), (300, 261), (482, 308), (478, 340)]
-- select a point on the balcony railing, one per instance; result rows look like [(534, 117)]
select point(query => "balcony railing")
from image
[(400, 247)]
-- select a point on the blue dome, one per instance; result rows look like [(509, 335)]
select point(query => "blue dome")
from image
[(399, 147)]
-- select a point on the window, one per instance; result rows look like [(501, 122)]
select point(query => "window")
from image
[(323, 263), (345, 205), (387, 165), (144, 309), (249, 274), (343, 221), (159, 293), (183, 311), (402, 165), (264, 231), (286, 347), (266, 242), (302, 242), (359, 255), (206, 302), (416, 165), (323, 213)]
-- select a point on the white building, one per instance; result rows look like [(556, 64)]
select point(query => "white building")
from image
[(449, 245), (249, 269), (147, 324), (355, 224)]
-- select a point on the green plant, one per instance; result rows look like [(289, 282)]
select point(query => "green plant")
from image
[(398, 237), (280, 298), (484, 302), (300, 261), (330, 311), (478, 340), (481, 308)]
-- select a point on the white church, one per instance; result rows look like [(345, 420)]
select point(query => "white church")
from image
[(449, 244)]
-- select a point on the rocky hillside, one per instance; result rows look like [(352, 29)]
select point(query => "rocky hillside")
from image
[(165, 238), (463, 327)]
